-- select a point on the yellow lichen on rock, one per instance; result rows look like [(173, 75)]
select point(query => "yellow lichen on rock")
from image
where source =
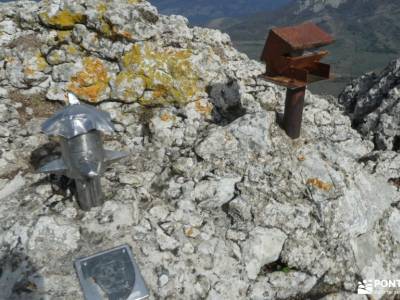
[(72, 49), (134, 1), (63, 19), (36, 64), (106, 28), (41, 62), (166, 76), (90, 83), (319, 184), (166, 117), (102, 8), (63, 35), (28, 71)]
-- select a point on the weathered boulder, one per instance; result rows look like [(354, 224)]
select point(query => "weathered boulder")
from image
[(214, 199), (372, 101)]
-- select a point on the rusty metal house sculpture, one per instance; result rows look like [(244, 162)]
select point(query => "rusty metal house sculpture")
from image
[(83, 158), (292, 61)]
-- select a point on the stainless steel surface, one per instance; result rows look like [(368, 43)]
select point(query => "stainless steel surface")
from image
[(83, 157), (112, 275), (77, 119), (90, 193)]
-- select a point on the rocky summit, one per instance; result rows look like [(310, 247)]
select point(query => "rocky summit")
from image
[(214, 199)]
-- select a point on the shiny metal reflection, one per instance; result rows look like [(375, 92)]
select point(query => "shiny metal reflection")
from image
[(83, 157)]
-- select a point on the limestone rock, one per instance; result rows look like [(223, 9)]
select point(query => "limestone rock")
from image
[(394, 225), (215, 193), (345, 296), (263, 247), (50, 237), (372, 103), (214, 199)]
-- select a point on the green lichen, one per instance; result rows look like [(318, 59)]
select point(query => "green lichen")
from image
[(167, 75), (64, 19)]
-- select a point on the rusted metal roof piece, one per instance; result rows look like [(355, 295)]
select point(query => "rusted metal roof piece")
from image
[(292, 61), (285, 57), (303, 36)]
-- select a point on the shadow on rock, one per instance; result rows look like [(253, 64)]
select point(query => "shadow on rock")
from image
[(44, 154), (227, 102), (19, 278)]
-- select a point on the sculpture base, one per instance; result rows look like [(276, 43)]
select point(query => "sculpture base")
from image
[(89, 193)]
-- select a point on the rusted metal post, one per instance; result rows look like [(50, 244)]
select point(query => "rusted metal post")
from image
[(293, 61), (293, 114)]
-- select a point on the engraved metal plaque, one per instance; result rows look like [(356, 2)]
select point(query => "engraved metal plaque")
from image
[(111, 275)]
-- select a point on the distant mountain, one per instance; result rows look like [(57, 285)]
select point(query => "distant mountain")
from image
[(202, 11), (367, 33)]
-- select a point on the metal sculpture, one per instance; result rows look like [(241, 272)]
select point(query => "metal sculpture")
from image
[(83, 157), (292, 62)]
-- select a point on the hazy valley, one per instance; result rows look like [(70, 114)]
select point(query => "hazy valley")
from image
[(367, 34)]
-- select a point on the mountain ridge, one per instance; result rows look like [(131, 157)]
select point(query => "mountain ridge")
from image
[(201, 11), (366, 32)]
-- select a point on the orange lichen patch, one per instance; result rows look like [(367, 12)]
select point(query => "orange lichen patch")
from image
[(29, 71), (125, 34), (166, 117), (189, 231), (160, 91), (319, 184), (203, 109), (91, 82), (64, 19), (301, 157)]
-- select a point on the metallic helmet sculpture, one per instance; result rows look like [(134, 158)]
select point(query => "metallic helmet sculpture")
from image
[(84, 159)]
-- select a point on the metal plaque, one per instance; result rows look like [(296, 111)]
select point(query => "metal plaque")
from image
[(111, 275)]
